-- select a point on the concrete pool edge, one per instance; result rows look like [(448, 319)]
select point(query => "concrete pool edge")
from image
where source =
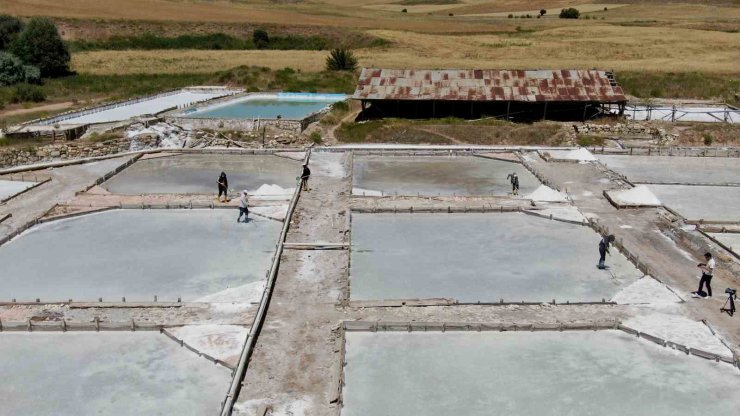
[(186, 116)]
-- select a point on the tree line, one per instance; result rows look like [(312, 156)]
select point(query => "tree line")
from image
[(31, 51)]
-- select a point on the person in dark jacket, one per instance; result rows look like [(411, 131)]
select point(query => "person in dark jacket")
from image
[(304, 177), (514, 183), (223, 187), (603, 249)]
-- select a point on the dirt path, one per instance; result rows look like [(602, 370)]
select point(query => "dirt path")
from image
[(46, 107), (350, 116)]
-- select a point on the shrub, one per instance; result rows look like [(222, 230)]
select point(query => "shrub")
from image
[(12, 71), (260, 38), (342, 106), (404, 11), (341, 60), (584, 140), (511, 16), (451, 14), (606, 8), (570, 13), (316, 137), (24, 93), (543, 12), (39, 44), (31, 74), (708, 139), (9, 29)]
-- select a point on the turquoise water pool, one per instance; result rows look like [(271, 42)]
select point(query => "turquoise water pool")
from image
[(283, 106)]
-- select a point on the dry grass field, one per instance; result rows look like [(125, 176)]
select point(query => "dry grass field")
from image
[(582, 46)]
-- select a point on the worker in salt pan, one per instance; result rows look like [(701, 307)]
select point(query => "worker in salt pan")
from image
[(304, 177), (514, 183), (243, 207), (223, 187), (604, 249)]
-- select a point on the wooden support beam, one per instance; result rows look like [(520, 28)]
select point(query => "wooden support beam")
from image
[(316, 246)]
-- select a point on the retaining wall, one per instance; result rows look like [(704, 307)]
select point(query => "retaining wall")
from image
[(292, 126)]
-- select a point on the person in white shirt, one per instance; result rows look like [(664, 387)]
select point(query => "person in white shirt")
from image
[(707, 271), (243, 207)]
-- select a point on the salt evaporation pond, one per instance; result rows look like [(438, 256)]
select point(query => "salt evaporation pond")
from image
[(138, 254), (480, 257), (107, 373), (10, 188), (709, 203), (198, 174), (605, 373), (437, 175), (674, 169), (266, 106)]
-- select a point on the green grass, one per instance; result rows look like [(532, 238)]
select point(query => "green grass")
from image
[(693, 85), (585, 140), (213, 41), (443, 131), (289, 80)]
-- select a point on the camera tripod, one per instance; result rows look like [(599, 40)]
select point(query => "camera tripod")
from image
[(731, 301)]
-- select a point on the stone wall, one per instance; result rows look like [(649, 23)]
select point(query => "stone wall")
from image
[(290, 126), (10, 157), (622, 130)]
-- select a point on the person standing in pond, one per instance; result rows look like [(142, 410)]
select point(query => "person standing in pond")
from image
[(707, 271), (604, 249), (223, 187), (304, 177), (514, 183), (243, 207)]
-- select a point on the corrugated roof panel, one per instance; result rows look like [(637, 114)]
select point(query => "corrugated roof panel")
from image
[(486, 85)]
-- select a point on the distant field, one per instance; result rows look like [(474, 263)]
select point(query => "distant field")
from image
[(655, 36), (191, 61), (581, 46)]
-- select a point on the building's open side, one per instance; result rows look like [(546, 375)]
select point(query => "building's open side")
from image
[(516, 95)]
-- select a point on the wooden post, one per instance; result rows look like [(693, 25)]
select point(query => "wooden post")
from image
[(508, 108), (673, 113), (585, 109)]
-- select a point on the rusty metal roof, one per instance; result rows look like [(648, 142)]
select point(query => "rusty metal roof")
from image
[(488, 85)]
